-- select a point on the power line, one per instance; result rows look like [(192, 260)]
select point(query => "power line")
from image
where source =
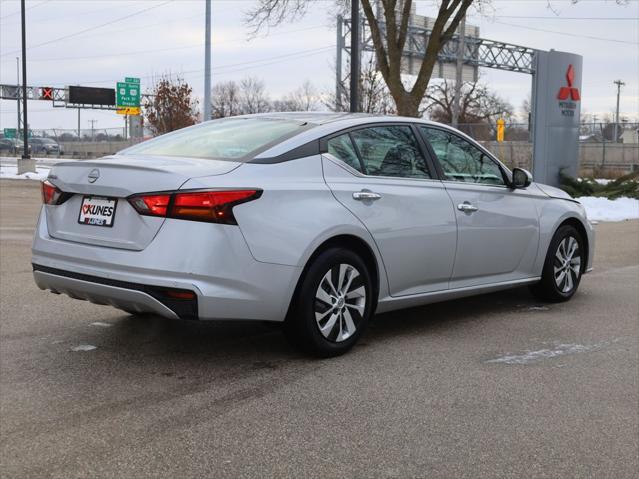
[(91, 28), (26, 9), (49, 18), (155, 50), (243, 65), (567, 34)]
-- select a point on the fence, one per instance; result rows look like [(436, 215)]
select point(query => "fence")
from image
[(597, 151), (89, 143)]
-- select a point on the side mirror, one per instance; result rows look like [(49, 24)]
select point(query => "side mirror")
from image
[(521, 178)]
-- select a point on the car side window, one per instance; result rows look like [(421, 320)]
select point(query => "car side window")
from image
[(341, 147), (462, 161), (390, 151)]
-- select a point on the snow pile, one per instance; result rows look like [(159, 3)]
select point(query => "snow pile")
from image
[(603, 209), (12, 160), (11, 172)]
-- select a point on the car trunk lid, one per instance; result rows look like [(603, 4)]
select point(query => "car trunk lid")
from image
[(116, 178)]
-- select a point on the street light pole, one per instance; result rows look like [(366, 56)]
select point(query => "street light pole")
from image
[(619, 84), (25, 123), (18, 94), (338, 65), (355, 67), (207, 62)]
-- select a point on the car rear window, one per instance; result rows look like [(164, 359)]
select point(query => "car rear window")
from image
[(235, 139)]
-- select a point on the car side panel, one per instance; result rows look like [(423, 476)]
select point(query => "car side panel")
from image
[(412, 223), (552, 213), (499, 241), (295, 214)]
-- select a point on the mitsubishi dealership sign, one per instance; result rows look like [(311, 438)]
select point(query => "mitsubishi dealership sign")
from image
[(556, 98)]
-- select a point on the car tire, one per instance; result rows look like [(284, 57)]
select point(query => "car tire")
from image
[(332, 305), (563, 267)]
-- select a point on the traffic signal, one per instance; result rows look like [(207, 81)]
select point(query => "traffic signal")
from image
[(46, 93)]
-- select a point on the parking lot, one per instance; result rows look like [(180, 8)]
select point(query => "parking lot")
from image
[(492, 386)]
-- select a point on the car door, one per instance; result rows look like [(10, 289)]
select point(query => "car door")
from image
[(381, 174), (498, 227)]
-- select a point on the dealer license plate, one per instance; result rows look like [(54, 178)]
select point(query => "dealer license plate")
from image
[(97, 211)]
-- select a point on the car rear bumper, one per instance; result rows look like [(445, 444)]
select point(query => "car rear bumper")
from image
[(211, 260), (131, 297)]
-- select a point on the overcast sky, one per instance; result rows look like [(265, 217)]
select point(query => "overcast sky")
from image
[(167, 36)]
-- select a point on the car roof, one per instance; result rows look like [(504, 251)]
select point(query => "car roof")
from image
[(320, 124), (317, 118)]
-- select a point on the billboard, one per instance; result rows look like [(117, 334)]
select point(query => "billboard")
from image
[(83, 95)]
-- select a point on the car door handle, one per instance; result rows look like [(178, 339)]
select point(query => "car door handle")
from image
[(366, 195), (466, 207)]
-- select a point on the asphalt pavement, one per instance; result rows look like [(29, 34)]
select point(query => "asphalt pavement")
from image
[(492, 386)]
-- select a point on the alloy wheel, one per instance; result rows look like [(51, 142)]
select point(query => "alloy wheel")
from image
[(567, 264), (340, 302)]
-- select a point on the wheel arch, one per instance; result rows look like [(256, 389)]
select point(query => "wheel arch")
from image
[(579, 226), (355, 244)]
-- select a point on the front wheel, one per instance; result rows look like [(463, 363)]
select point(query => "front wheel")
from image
[(333, 304), (563, 266)]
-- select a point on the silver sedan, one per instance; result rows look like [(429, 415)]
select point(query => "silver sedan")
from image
[(314, 220)]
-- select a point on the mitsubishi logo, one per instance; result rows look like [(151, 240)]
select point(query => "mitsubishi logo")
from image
[(94, 174), (569, 91)]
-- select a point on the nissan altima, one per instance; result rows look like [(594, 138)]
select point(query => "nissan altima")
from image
[(314, 220)]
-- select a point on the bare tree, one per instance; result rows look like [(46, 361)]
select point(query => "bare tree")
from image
[(253, 98), (526, 107), (479, 108), (374, 95), (477, 104), (304, 98), (225, 99), (170, 106), (388, 21)]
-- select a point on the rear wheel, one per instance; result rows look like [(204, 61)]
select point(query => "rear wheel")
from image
[(563, 266), (333, 304)]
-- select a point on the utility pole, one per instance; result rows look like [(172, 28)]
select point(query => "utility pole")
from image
[(79, 132), (338, 65), (459, 71), (18, 94), (355, 60), (207, 62), (25, 122), (619, 84), (93, 122)]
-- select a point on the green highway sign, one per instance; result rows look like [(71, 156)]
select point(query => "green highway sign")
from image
[(128, 93), (13, 133)]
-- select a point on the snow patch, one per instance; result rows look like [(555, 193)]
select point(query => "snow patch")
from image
[(84, 347), (11, 172), (603, 209), (101, 324), (547, 353)]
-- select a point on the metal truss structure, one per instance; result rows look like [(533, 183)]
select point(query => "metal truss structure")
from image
[(57, 96), (478, 52)]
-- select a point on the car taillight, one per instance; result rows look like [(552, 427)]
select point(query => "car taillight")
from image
[(51, 194), (210, 206), (151, 205)]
